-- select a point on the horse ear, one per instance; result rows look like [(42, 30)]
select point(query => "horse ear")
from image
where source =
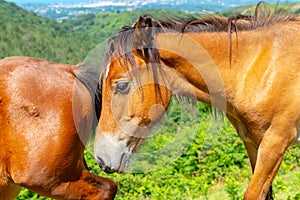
[(143, 33), (144, 21)]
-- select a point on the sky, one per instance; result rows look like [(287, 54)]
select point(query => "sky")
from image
[(47, 1)]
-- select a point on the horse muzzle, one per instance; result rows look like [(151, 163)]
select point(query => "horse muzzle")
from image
[(111, 153), (109, 168)]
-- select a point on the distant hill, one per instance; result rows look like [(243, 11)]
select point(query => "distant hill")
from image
[(100, 27), (71, 9), (25, 33), (293, 8)]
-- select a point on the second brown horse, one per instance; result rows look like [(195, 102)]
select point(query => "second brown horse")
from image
[(46, 114)]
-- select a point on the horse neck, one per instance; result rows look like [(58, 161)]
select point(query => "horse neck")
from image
[(217, 73), (201, 62)]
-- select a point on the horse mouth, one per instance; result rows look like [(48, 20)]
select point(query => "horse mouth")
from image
[(123, 164)]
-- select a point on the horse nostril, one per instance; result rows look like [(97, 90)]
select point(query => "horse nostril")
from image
[(109, 170), (100, 162), (102, 165)]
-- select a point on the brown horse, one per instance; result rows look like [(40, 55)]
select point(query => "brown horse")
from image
[(247, 66), (46, 116)]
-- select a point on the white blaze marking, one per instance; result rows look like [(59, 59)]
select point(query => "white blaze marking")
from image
[(107, 70)]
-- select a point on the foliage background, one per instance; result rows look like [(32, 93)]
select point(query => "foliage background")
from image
[(215, 165)]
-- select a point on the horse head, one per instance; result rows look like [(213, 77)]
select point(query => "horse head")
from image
[(134, 95)]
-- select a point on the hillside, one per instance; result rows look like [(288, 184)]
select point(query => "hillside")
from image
[(25, 33), (248, 10), (101, 26), (71, 10)]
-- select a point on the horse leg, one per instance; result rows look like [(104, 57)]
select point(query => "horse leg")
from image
[(89, 186), (269, 195), (269, 156), (252, 153)]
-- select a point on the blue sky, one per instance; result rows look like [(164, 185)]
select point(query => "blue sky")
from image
[(47, 1)]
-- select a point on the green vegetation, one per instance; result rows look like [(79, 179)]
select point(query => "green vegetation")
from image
[(215, 164), (100, 27), (24, 33)]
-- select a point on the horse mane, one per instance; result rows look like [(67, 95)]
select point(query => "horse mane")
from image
[(89, 78), (130, 38), (217, 23)]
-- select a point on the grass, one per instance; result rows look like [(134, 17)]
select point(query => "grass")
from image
[(215, 166), (286, 186)]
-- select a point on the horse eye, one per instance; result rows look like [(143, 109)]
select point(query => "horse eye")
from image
[(122, 87)]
